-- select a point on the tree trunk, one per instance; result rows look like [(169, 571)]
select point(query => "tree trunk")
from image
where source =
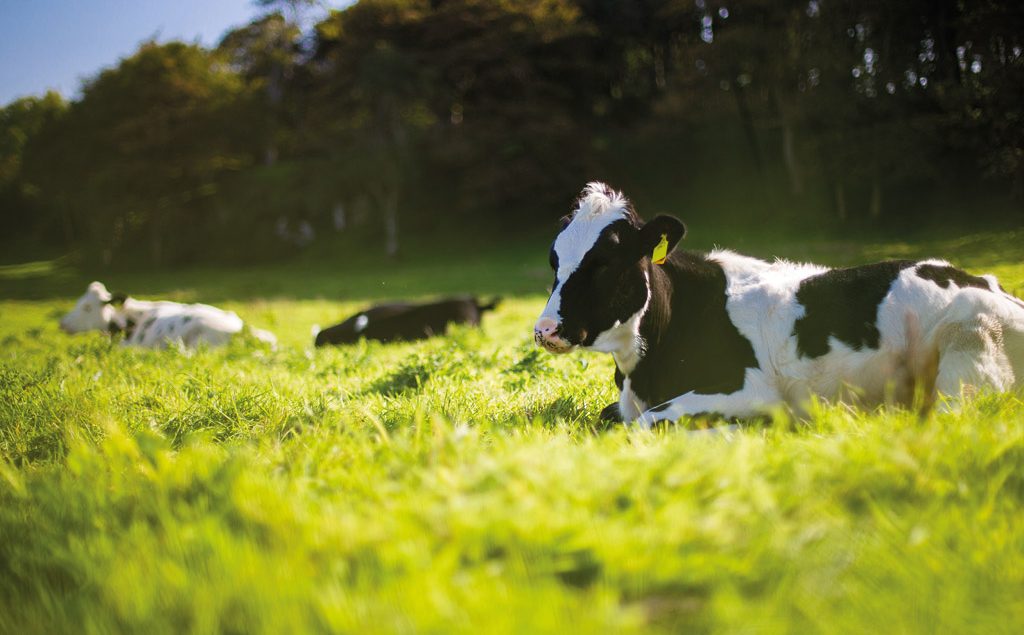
[(876, 196), (339, 217), (792, 163), (796, 179), (390, 205), (747, 120), (275, 95), (386, 197), (68, 226), (1017, 186), (156, 244), (841, 201)]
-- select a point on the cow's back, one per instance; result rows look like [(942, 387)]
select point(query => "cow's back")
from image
[(189, 324), (854, 332)]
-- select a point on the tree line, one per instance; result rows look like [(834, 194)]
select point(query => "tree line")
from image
[(391, 117)]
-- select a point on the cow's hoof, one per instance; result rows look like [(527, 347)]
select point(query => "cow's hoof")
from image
[(611, 414)]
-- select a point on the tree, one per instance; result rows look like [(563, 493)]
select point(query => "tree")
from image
[(20, 122), (134, 159)]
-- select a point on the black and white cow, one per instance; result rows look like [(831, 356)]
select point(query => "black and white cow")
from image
[(403, 321), (154, 324), (736, 336)]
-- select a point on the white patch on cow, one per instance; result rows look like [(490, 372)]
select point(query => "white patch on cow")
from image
[(361, 323), (757, 396), (596, 211), (92, 311), (761, 302), (630, 406)]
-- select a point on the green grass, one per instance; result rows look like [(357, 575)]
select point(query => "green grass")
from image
[(462, 484)]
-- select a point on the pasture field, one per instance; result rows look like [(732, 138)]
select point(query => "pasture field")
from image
[(463, 484)]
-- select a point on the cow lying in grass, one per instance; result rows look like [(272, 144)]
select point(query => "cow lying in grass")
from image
[(154, 324), (402, 321), (726, 334)]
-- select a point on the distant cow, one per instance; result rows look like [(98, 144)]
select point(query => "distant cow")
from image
[(723, 333), (405, 321), (154, 324)]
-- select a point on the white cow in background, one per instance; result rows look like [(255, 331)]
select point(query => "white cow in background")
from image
[(155, 324)]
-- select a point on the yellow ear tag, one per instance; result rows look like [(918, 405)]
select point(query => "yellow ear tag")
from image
[(661, 251)]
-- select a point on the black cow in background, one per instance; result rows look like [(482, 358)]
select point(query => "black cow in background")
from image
[(403, 321)]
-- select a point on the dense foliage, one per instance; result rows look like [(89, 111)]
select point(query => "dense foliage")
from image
[(855, 112)]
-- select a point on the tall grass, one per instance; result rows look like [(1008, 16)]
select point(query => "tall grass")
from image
[(463, 484)]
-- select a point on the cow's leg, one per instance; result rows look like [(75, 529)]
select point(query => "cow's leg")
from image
[(1014, 339), (973, 355), (756, 397)]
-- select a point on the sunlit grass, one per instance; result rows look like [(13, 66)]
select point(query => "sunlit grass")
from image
[(463, 484)]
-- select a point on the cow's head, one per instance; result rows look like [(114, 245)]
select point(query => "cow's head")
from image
[(601, 259), (94, 311)]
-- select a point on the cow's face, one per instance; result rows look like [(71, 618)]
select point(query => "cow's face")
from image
[(601, 259), (92, 312)]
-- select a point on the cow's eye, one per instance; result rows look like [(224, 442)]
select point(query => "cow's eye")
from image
[(87, 308)]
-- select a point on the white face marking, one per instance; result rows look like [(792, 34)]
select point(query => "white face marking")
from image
[(596, 211), (92, 311), (361, 323)]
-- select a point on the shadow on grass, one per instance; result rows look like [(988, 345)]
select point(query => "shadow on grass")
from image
[(510, 269), (408, 377)]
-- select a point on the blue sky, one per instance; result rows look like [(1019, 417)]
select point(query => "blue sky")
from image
[(56, 43)]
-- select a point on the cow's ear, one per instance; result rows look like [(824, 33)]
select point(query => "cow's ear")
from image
[(661, 233), (117, 299)]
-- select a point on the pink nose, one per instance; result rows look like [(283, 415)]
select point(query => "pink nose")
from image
[(545, 326), (545, 334)]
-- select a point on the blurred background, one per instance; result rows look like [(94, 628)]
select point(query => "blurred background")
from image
[(378, 126)]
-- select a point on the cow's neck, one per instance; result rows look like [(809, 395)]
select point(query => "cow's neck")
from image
[(623, 341), (682, 276), (126, 316), (626, 341), (134, 309)]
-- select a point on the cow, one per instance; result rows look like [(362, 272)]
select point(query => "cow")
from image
[(154, 324), (402, 321), (725, 334)]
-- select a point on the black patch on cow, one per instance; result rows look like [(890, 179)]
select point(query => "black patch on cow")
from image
[(117, 299), (843, 303), (186, 319), (692, 344), (942, 275)]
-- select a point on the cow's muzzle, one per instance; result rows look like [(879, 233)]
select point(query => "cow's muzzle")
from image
[(545, 334)]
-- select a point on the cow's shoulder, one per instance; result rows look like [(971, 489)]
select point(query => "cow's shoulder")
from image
[(694, 345), (761, 296)]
